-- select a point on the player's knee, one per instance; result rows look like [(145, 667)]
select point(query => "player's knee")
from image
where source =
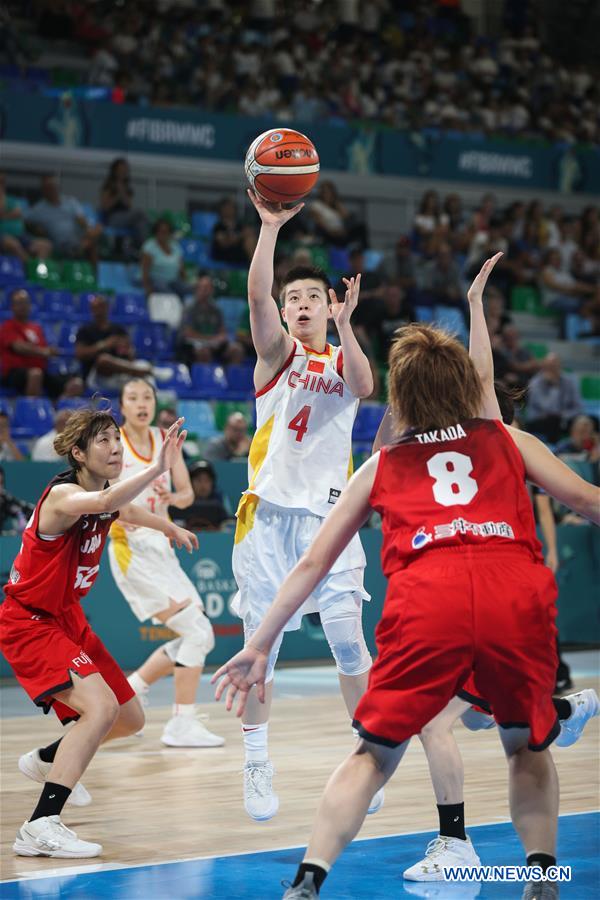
[(136, 718), (105, 710), (196, 636), (344, 633)]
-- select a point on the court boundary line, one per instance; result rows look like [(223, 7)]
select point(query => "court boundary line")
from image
[(116, 867)]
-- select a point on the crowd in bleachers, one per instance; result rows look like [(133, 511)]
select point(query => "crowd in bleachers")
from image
[(416, 64)]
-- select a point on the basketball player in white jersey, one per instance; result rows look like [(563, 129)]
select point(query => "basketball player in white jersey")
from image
[(307, 394), (149, 575)]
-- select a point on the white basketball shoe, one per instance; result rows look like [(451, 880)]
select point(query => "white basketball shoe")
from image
[(35, 768), (442, 852), (260, 801), (48, 836), (584, 705), (188, 731), (377, 802)]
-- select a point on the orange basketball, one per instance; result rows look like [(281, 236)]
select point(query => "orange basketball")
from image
[(282, 165)]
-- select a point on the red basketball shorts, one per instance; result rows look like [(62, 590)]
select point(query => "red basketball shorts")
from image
[(457, 612), (44, 651)]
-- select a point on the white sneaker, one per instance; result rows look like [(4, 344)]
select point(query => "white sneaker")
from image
[(49, 837), (585, 706), (477, 721), (260, 802), (144, 700), (187, 731), (377, 802), (443, 890), (35, 768), (441, 853)]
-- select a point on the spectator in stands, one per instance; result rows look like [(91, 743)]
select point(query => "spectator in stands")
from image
[(105, 351), (232, 241), (163, 270), (243, 334), (14, 513), (234, 442), (583, 440), (25, 351), (203, 336), (552, 400), (400, 268), (396, 311), (62, 219), (495, 312), (9, 452), (116, 203), (14, 240), (333, 223), (520, 363), (430, 222), (43, 449), (208, 511), (560, 290), (440, 280)]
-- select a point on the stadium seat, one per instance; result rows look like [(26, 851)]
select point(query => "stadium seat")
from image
[(57, 305), (72, 403), (32, 417), (339, 259), (240, 382), (203, 223), (373, 259), (576, 327), (174, 377), (78, 276), (237, 282), (367, 421), (166, 308), (589, 387), (451, 320), (129, 308), (199, 418), (67, 334), (114, 276), (224, 408), (209, 381), (232, 309), (11, 272), (44, 271), (424, 313), (152, 341), (320, 257)]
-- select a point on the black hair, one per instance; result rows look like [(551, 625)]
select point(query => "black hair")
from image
[(303, 273), (507, 399), (135, 378), (162, 220)]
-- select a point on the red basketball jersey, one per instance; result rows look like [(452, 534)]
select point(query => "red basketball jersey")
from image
[(454, 487), (52, 575)]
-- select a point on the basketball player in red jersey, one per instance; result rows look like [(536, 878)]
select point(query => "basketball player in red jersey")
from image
[(458, 539), (44, 635)]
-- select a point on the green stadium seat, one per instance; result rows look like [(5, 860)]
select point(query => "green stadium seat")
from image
[(224, 408), (589, 387), (44, 271), (538, 350), (237, 282), (320, 257), (78, 276)]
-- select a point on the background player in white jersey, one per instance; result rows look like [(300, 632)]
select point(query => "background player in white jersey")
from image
[(150, 577), (307, 393)]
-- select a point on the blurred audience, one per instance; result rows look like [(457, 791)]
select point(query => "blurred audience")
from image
[(62, 219), (43, 449), (234, 443), (333, 223), (116, 205), (25, 352), (105, 351), (14, 513), (163, 270), (9, 451), (232, 241), (14, 239), (552, 400), (208, 511), (203, 336)]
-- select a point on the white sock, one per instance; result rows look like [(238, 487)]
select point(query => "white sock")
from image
[(255, 742), (137, 683), (184, 709)]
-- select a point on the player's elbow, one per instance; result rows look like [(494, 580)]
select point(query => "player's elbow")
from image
[(363, 388)]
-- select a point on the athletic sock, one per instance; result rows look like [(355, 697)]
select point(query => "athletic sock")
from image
[(48, 753), (184, 709), (137, 683), (52, 800), (452, 820), (563, 708), (543, 860), (318, 867), (255, 742)]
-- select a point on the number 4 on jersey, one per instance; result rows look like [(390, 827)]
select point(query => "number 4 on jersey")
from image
[(299, 423)]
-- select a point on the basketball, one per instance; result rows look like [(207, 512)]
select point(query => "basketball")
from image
[(282, 165)]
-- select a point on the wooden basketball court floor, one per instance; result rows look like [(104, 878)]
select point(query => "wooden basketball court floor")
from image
[(172, 823)]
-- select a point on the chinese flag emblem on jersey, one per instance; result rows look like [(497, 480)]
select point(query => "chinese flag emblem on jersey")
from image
[(315, 366)]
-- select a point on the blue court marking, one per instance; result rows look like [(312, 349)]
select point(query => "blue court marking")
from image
[(369, 868)]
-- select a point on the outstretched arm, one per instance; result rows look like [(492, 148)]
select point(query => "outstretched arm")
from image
[(544, 469), (480, 348), (132, 514), (271, 341), (357, 370)]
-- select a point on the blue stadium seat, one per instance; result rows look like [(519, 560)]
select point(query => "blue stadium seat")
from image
[(373, 259), (575, 326), (367, 422), (240, 382), (113, 276), (72, 403), (339, 259), (199, 418), (153, 340), (203, 223), (67, 334), (32, 417), (232, 309), (12, 273), (424, 313), (451, 320), (57, 305), (209, 381), (129, 308), (179, 379)]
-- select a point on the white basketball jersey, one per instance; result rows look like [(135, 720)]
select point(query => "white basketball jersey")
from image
[(301, 454), (133, 463)]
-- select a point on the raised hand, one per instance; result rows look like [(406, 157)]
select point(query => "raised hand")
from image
[(476, 290), (341, 311), (245, 669), (181, 537), (272, 213), (171, 448)]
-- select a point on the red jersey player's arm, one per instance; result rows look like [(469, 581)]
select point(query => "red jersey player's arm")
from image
[(557, 479), (132, 514), (271, 341), (480, 348), (340, 526)]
